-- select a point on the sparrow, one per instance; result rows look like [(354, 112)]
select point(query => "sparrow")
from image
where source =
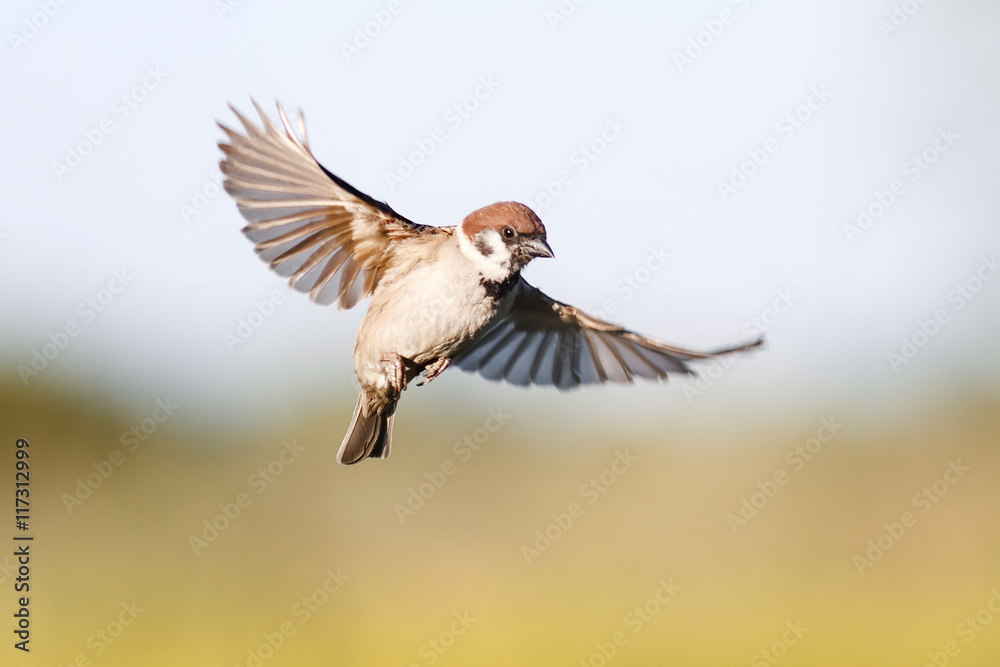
[(440, 296)]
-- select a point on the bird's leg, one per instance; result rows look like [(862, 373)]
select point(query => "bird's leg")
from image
[(397, 379), (433, 369)]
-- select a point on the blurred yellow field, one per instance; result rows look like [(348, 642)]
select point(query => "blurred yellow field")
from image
[(200, 550)]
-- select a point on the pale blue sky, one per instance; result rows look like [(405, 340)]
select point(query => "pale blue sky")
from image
[(671, 134)]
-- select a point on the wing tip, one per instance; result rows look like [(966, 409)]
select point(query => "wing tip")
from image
[(761, 342)]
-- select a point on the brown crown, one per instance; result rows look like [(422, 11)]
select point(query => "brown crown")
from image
[(503, 214)]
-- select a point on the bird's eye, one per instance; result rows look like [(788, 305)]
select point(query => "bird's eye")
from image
[(508, 232)]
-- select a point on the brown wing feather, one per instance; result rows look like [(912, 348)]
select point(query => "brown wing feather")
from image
[(542, 341), (330, 239)]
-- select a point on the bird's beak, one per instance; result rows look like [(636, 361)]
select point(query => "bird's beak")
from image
[(537, 247)]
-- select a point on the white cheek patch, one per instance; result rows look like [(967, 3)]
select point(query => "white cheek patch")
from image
[(488, 253)]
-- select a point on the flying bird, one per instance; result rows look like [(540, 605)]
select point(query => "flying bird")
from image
[(440, 296)]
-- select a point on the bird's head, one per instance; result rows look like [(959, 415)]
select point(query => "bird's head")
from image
[(502, 238)]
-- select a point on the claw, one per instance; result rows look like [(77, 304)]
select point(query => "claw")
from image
[(434, 369)]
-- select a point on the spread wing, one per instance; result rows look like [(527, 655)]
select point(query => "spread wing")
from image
[(329, 238), (544, 342)]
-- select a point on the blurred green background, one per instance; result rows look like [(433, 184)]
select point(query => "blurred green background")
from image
[(833, 499)]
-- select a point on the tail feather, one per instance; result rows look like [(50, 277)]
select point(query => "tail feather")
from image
[(367, 437)]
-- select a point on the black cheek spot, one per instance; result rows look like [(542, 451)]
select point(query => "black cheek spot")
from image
[(484, 248)]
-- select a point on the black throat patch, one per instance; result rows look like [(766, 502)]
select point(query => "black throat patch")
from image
[(498, 289)]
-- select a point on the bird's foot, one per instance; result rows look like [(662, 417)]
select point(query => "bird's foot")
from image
[(433, 369), (397, 378)]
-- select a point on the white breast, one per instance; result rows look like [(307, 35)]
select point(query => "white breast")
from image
[(423, 313)]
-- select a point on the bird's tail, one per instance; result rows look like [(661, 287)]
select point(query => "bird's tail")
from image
[(368, 437)]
